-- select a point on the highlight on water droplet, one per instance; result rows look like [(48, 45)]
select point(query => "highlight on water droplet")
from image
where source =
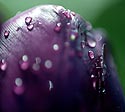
[(30, 27), (18, 88), (58, 27), (55, 47), (50, 85), (3, 65), (91, 54), (48, 64), (94, 84), (72, 37), (83, 44), (28, 20), (6, 34)]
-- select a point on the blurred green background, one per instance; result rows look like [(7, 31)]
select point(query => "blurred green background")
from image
[(108, 14)]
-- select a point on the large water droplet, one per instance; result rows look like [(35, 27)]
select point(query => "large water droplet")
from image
[(90, 40), (58, 27), (91, 54), (3, 65), (48, 64), (28, 20), (6, 34), (30, 27), (91, 43)]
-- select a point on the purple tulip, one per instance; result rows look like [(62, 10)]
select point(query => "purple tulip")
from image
[(53, 61)]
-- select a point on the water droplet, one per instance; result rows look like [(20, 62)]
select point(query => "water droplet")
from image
[(18, 82), (67, 14), (91, 43), (50, 85), (92, 76), (36, 67), (18, 88), (58, 27), (90, 40), (25, 58), (28, 20), (30, 27), (38, 60), (72, 37), (91, 54), (6, 34), (103, 91), (24, 64), (3, 65), (68, 24), (94, 84), (48, 64), (83, 44), (56, 47)]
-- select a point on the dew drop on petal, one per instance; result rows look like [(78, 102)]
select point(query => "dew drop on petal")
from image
[(30, 27), (48, 64), (18, 82), (83, 44), (72, 37), (38, 60), (92, 76), (18, 88), (91, 54), (50, 85), (28, 20), (58, 27), (3, 65), (67, 14), (36, 67), (55, 47), (6, 34), (91, 43), (94, 84), (24, 64)]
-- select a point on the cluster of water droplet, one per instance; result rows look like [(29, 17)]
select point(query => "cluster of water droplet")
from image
[(98, 74), (28, 21)]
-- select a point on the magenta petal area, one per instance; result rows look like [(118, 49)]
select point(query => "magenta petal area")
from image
[(52, 60)]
